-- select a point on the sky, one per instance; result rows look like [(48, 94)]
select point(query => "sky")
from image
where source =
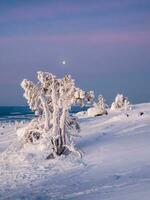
[(105, 43)]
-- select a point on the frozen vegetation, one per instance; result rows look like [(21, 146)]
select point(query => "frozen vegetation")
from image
[(51, 98), (99, 108), (40, 160), (120, 102)]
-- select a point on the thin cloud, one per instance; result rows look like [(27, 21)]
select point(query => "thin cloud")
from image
[(92, 38)]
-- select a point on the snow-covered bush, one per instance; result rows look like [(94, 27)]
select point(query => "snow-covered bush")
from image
[(99, 108), (120, 102), (51, 99)]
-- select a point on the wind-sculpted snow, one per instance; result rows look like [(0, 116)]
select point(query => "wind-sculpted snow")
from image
[(115, 163)]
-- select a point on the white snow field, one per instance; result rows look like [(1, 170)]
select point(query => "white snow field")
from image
[(115, 163)]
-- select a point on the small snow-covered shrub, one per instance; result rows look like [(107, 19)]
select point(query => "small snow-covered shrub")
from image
[(51, 99), (121, 102), (81, 113), (99, 108), (30, 133)]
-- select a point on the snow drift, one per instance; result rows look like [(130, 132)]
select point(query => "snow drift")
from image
[(115, 164)]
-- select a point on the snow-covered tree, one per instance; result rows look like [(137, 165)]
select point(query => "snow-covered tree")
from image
[(52, 98), (120, 102), (102, 106), (99, 108)]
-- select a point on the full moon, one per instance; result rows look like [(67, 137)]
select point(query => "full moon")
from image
[(64, 62)]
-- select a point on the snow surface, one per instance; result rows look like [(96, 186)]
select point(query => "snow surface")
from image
[(115, 163)]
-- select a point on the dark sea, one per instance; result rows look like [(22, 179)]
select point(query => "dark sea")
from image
[(18, 113)]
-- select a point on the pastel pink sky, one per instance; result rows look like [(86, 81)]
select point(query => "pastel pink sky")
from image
[(91, 38), (100, 40)]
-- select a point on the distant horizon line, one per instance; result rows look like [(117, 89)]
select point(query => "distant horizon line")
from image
[(29, 106)]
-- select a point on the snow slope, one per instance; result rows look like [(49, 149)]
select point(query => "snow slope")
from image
[(115, 164)]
